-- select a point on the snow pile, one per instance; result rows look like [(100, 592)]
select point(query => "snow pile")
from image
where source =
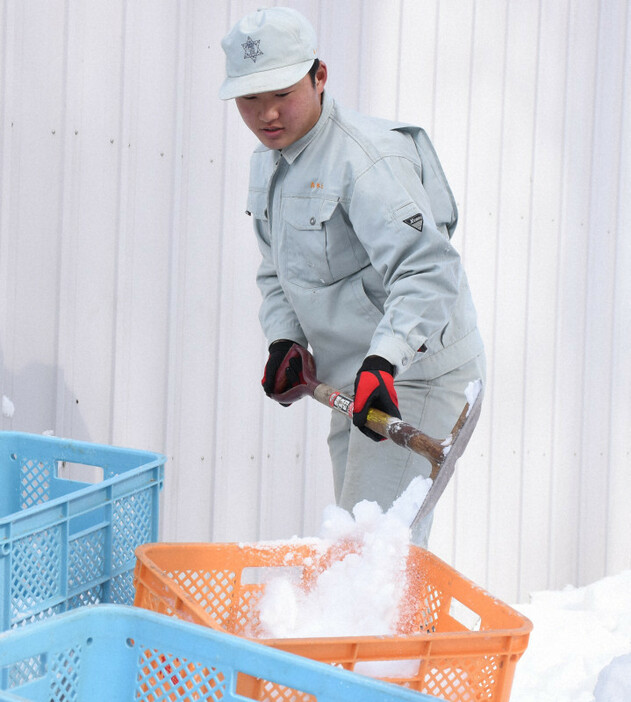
[(8, 408), (359, 595), (578, 650), (614, 681)]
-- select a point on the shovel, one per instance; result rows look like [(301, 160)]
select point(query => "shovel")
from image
[(441, 453)]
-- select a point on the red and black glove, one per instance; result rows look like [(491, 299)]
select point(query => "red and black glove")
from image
[(293, 373), (374, 387)]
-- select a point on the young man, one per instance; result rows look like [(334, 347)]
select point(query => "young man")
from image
[(353, 217)]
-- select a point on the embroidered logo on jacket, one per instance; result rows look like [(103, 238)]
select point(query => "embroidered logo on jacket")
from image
[(251, 49), (415, 221)]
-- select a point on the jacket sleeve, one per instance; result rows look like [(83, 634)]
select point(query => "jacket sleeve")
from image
[(391, 214)]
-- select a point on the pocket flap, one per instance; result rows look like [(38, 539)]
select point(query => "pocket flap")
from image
[(309, 212)]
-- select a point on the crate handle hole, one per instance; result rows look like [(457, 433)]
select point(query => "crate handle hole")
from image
[(260, 575), (6, 548), (80, 472), (13, 457), (130, 642), (389, 668), (463, 614)]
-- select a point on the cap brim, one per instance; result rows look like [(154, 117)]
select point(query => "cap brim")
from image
[(264, 81)]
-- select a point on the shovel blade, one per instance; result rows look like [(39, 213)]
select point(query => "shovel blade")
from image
[(447, 467)]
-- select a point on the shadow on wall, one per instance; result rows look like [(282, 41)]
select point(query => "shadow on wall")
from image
[(31, 398)]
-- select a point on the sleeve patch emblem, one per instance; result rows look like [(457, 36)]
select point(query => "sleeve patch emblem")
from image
[(415, 221)]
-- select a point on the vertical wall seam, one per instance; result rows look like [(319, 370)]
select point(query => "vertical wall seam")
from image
[(65, 239), (527, 311), (435, 72), (5, 212), (218, 287), (469, 112), (557, 306), (465, 200), (177, 244), (588, 291), (15, 171), (362, 74), (399, 59), (121, 227), (615, 297), (498, 234)]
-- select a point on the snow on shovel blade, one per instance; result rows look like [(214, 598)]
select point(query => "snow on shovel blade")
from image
[(453, 451), (442, 454)]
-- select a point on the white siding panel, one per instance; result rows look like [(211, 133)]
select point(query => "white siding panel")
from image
[(600, 288), (89, 224), (539, 339), (572, 298), (32, 148), (196, 265), (237, 464), (417, 57), (619, 484), (128, 303), (147, 192), (507, 381), (378, 58), (340, 35), (477, 238)]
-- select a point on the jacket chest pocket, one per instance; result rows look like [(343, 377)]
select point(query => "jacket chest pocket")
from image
[(320, 246)]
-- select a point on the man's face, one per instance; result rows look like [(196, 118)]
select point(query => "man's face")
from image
[(280, 118)]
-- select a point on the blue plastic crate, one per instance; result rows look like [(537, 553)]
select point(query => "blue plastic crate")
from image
[(64, 541), (115, 653)]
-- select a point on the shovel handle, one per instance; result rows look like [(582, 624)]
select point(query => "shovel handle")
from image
[(383, 424), (441, 454), (386, 425)]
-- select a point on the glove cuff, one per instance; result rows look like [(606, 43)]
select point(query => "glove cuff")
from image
[(377, 363), (280, 345)]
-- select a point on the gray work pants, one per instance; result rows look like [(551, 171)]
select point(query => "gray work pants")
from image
[(381, 471)]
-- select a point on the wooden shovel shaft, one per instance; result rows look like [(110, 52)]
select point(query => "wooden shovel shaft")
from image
[(442, 454), (387, 426)]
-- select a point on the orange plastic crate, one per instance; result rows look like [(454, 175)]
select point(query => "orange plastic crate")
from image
[(457, 641)]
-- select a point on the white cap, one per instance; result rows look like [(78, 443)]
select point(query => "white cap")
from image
[(269, 49)]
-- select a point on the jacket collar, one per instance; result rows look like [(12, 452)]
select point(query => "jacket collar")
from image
[(291, 152)]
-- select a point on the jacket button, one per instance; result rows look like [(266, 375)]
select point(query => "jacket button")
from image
[(312, 221)]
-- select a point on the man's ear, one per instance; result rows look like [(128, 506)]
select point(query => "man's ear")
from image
[(320, 77)]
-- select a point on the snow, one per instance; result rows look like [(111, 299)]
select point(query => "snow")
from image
[(8, 407), (580, 646), (472, 391), (614, 681), (359, 594), (579, 650)]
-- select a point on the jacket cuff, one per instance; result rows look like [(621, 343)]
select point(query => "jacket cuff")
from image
[(397, 352)]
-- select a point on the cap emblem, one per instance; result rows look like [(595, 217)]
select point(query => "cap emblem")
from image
[(251, 49)]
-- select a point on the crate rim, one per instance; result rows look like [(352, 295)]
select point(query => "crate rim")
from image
[(81, 443), (521, 631), (39, 631), (156, 460)]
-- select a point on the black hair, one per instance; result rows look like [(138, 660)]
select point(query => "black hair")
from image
[(313, 70)]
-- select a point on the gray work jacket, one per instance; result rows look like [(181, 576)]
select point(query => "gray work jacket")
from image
[(354, 223)]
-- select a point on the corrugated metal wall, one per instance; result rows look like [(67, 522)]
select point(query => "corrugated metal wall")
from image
[(128, 309)]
